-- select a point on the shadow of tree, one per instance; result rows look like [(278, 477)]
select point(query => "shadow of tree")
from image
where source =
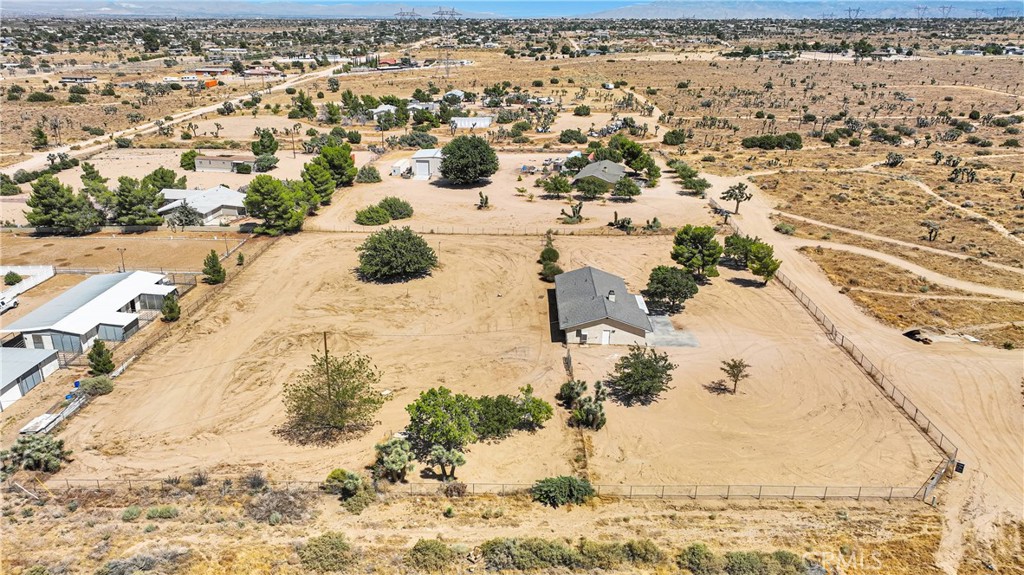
[(718, 388)]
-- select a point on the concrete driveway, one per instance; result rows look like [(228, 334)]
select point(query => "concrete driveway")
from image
[(666, 335)]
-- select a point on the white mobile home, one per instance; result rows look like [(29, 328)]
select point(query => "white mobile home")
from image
[(21, 370), (103, 307), (472, 122), (217, 204)]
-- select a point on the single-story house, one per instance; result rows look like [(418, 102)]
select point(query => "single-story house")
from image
[(103, 307), (594, 307), (22, 369), (432, 107), (458, 94), (472, 122), (212, 71), (426, 163), (224, 163), (78, 80), (382, 109), (215, 204), (606, 170)]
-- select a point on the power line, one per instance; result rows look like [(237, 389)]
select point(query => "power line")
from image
[(447, 43)]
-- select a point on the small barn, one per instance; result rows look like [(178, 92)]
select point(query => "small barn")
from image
[(106, 307), (21, 370), (426, 163), (594, 307)]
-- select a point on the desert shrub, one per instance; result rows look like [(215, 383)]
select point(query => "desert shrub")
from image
[(395, 254), (549, 271), (397, 208), (598, 555), (367, 175), (243, 169), (123, 142), (699, 560), (34, 453), (644, 551), (162, 512), (581, 110), (372, 216), (429, 555), (290, 91), (199, 478), (572, 136), (784, 228), (528, 554), (12, 278), (40, 97), (76, 99), (326, 553), (674, 137), (131, 514), (164, 560), (562, 490), (354, 137), (287, 505), (549, 254), (417, 140), (255, 480), (96, 386), (355, 492), (453, 489)]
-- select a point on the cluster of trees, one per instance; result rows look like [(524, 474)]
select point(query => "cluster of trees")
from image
[(753, 254), (132, 203), (468, 159), (283, 205), (548, 261), (390, 208), (442, 424), (689, 177), (788, 141)]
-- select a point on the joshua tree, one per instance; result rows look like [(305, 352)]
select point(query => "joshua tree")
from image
[(933, 229), (575, 217), (737, 193)]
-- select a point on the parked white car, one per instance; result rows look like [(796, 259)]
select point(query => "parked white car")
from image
[(8, 303)]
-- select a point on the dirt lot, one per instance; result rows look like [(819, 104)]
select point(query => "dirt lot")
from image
[(490, 304), (163, 250)]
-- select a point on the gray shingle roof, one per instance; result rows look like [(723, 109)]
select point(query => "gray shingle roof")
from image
[(583, 298), (606, 170)]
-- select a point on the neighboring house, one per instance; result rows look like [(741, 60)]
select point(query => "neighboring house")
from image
[(426, 163), (22, 369), (594, 307), (432, 107), (382, 109), (225, 163), (219, 204), (78, 80), (458, 94), (212, 71), (101, 307), (472, 122), (605, 170)]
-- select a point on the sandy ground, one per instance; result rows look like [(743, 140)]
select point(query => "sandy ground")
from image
[(448, 209), (208, 396)]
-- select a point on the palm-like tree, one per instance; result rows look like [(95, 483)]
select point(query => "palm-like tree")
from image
[(737, 193)]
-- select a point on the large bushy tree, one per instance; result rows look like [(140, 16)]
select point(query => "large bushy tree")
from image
[(762, 261), (395, 254), (338, 161), (265, 144), (212, 269), (56, 205), (101, 360), (320, 178), (668, 287), (640, 376), (334, 397), (468, 159), (697, 250), (268, 199), (136, 203), (441, 418)]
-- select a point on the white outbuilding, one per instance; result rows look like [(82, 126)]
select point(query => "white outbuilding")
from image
[(472, 122), (218, 204), (426, 163), (21, 370), (106, 307)]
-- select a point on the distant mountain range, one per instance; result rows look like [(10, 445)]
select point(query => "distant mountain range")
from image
[(666, 9)]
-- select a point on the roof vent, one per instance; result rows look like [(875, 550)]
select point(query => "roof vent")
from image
[(611, 296)]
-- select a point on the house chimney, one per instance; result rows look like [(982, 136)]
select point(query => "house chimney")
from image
[(611, 295)]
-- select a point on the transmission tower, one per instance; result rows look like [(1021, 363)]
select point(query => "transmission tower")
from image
[(921, 10), (446, 45), (945, 10), (853, 13), (1000, 12), (407, 15), (978, 13)]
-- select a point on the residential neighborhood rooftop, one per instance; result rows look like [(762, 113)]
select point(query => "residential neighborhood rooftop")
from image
[(588, 295)]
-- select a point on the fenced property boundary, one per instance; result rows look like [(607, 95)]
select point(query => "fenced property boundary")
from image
[(236, 485), (897, 397)]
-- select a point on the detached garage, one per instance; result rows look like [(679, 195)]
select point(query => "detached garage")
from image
[(426, 163), (23, 369)]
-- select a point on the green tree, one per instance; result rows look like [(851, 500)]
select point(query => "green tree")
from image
[(56, 205), (265, 144), (394, 459), (333, 84), (12, 278), (640, 376), (136, 203), (171, 310), (762, 261), (467, 159), (163, 178), (39, 139), (188, 160), (697, 250), (592, 187), (699, 560), (557, 185), (445, 459), (394, 254), (339, 162), (212, 269), (736, 371), (320, 178), (439, 417), (332, 113), (265, 163), (737, 193), (334, 397), (626, 188), (302, 107), (737, 248), (101, 360), (268, 199), (185, 215), (668, 287)]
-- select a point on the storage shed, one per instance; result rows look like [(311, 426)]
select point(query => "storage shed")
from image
[(426, 163), (21, 370)]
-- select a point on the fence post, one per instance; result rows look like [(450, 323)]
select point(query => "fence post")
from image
[(890, 494), (794, 492), (859, 489), (728, 491), (759, 488), (630, 491), (825, 495)]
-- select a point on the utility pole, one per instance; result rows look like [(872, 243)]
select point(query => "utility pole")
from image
[(121, 251)]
